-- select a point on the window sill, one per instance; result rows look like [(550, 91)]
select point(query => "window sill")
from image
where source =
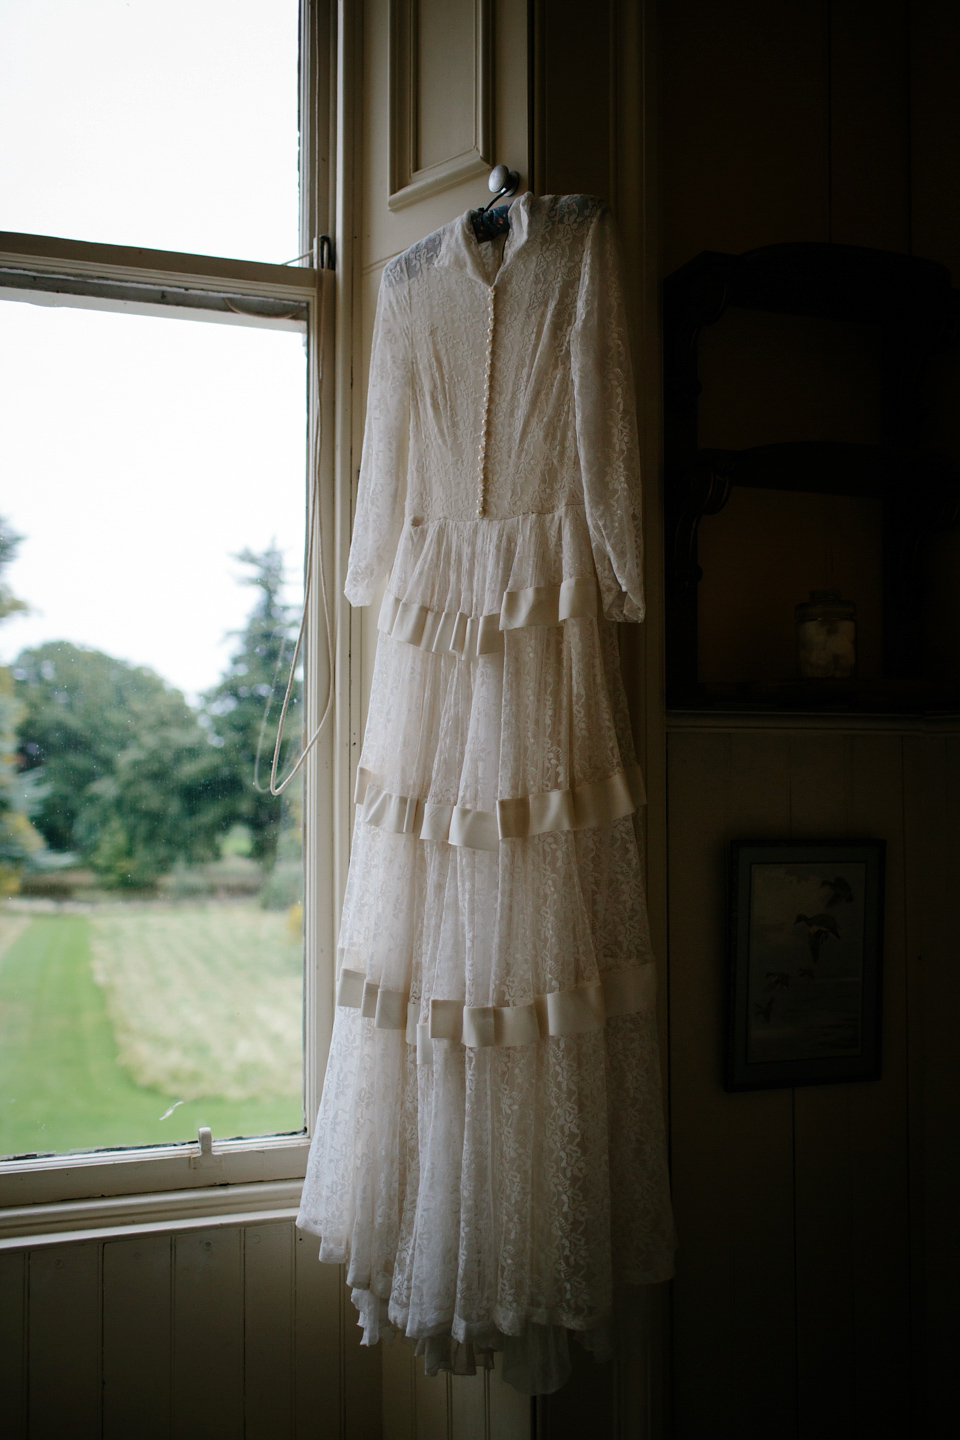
[(169, 1171), (25, 1227)]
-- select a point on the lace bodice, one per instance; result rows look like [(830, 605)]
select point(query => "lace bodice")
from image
[(501, 380)]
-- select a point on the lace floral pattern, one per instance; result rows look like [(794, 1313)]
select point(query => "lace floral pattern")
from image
[(560, 427), (488, 1195)]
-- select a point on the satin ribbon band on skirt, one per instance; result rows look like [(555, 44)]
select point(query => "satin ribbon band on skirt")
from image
[(470, 636), (600, 802), (556, 1013)]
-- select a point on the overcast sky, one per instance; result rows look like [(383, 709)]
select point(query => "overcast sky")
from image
[(139, 454)]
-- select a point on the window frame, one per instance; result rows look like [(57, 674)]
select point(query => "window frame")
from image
[(60, 1195)]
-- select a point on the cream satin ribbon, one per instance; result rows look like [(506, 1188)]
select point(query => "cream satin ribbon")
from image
[(600, 802), (470, 636), (556, 1013)]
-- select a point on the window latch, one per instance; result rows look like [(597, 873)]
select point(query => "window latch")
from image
[(205, 1156), (322, 252)]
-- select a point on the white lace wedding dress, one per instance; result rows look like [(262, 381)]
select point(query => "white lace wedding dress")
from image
[(489, 1158)]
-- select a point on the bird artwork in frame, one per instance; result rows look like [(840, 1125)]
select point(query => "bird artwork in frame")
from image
[(806, 931)]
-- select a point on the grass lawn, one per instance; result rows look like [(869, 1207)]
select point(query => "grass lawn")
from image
[(62, 1084), (205, 999)]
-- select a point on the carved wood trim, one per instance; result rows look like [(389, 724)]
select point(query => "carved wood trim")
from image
[(408, 183)]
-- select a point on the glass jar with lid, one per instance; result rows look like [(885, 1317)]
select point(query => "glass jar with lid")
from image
[(826, 637)]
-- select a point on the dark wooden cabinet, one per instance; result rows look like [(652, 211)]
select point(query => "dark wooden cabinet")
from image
[(911, 313)]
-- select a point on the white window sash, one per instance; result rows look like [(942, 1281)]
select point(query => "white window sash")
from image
[(178, 1179)]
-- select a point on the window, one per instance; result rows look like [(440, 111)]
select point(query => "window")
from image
[(152, 539), (165, 123)]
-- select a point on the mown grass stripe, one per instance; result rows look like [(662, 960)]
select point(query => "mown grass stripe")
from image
[(62, 1085)]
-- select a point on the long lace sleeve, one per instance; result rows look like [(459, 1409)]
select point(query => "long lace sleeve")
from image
[(607, 424), (383, 467)]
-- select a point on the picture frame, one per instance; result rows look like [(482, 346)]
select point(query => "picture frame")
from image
[(806, 951)]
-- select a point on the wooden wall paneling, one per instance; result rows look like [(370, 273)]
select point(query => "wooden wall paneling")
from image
[(461, 1407), (642, 1363), (64, 1346), (852, 1141), (869, 123), (137, 1285), (269, 1299), (208, 1334), (934, 40), (574, 112), (319, 1296), (760, 1136), (697, 782), (13, 1343), (509, 1414), (826, 1307), (399, 1392), (432, 1404), (745, 124), (733, 1303), (361, 1409), (917, 834), (934, 824), (585, 1405), (468, 1406), (879, 1157)]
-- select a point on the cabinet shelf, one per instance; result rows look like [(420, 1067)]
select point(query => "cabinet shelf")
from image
[(915, 313), (863, 697)]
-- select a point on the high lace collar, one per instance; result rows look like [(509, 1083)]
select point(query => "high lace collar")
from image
[(461, 248)]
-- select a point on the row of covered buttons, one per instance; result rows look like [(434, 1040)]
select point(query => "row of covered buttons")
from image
[(482, 456)]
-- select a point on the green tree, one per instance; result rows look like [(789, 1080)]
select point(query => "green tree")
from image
[(234, 709), (18, 838), (130, 778), (9, 545)]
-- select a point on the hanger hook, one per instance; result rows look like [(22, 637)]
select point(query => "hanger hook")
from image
[(502, 182)]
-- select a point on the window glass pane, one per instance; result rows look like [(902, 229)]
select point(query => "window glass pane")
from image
[(170, 124), (150, 930)]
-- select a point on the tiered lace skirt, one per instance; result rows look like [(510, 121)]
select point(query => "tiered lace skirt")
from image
[(489, 1158)]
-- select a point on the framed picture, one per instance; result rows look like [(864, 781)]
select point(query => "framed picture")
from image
[(806, 932)]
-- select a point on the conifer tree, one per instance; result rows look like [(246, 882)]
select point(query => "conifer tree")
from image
[(235, 708)]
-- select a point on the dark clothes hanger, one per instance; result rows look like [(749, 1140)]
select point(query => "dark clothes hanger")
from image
[(489, 223)]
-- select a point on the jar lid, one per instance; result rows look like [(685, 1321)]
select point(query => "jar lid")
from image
[(825, 605)]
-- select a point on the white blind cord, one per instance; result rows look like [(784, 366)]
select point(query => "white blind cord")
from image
[(314, 544)]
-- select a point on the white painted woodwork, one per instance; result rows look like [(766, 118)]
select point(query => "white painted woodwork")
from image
[(63, 1319), (234, 1332), (136, 1339), (219, 1204), (440, 115)]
